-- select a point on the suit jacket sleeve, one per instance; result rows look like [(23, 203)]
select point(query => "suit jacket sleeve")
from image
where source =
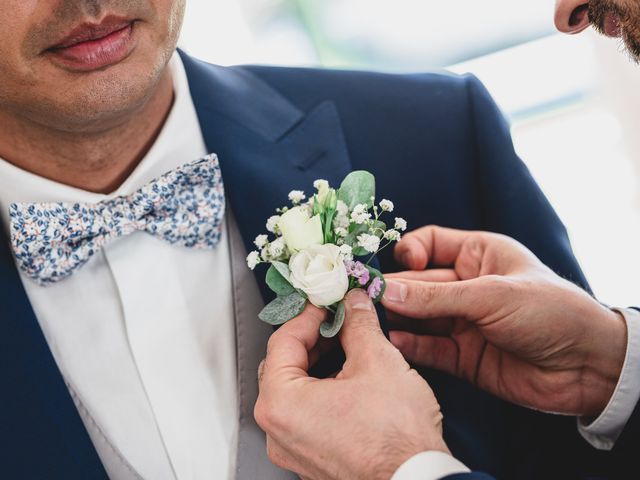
[(512, 202)]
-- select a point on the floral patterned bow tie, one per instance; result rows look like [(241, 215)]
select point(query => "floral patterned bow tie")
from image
[(185, 207)]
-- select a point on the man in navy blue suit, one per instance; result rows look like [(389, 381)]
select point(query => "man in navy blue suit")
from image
[(478, 306), (127, 354)]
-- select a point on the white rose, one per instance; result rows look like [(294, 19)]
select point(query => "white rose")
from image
[(299, 230), (319, 271)]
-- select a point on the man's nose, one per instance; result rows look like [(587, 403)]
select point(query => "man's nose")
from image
[(572, 16)]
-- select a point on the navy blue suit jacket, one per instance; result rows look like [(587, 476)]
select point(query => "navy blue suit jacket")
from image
[(438, 147)]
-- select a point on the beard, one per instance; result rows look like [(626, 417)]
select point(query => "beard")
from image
[(628, 22)]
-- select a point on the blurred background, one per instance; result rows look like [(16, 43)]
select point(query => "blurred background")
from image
[(571, 100)]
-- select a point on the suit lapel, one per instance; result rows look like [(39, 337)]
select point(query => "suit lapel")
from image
[(41, 433), (266, 145)]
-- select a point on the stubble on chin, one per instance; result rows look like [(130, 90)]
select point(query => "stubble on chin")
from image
[(99, 100), (629, 15)]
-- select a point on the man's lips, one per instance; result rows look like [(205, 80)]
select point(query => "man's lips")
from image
[(88, 31), (91, 47), (611, 25)]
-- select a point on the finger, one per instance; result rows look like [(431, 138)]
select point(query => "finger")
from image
[(469, 299), (430, 245), (433, 275), (440, 353), (439, 327), (289, 347), (361, 331)]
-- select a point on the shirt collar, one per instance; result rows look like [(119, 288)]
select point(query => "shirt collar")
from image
[(180, 141)]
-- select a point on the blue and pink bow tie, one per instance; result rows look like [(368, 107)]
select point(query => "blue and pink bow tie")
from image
[(185, 207)]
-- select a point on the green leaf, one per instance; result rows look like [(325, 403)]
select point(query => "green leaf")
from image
[(278, 279), (360, 252), (358, 188), (330, 330), (283, 269), (356, 229), (374, 273), (379, 228), (354, 232), (283, 309)]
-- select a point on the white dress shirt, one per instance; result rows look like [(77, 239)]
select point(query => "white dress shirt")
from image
[(601, 433), (144, 332)]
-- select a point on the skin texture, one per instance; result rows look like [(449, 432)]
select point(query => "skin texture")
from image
[(573, 16), (504, 322), (85, 129), (328, 429)]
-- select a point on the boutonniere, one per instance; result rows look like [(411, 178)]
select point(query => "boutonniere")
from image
[(320, 248)]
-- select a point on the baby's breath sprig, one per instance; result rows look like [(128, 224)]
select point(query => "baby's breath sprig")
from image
[(322, 246)]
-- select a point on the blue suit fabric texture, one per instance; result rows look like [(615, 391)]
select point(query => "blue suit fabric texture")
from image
[(439, 148)]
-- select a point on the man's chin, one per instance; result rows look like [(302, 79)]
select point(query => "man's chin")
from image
[(98, 101)]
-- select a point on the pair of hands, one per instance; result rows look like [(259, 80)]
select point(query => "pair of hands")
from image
[(496, 316)]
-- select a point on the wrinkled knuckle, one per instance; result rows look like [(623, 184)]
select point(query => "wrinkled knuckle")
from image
[(364, 322), (474, 246), (275, 455), (268, 416), (261, 414), (425, 293)]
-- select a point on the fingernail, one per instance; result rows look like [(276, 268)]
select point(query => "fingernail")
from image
[(359, 300), (396, 292)]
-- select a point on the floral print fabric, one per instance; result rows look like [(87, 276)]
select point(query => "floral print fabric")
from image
[(184, 207)]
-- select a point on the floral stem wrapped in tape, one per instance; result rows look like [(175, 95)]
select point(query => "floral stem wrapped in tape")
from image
[(321, 248)]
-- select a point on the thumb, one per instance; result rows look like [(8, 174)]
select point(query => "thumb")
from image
[(469, 299), (361, 332)]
